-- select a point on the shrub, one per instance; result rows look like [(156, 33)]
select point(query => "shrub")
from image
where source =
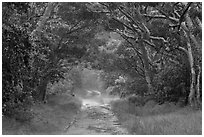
[(136, 100), (16, 103), (116, 90), (60, 87), (19, 111), (171, 84), (136, 86)]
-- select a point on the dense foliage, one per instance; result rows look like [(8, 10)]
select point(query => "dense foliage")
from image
[(16, 51)]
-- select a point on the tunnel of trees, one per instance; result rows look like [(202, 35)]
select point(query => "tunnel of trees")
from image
[(153, 50)]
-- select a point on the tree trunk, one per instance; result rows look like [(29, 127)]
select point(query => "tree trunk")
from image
[(41, 89), (190, 31), (25, 85), (190, 37), (146, 66), (193, 75), (191, 97), (198, 86), (43, 19), (35, 35), (199, 23)]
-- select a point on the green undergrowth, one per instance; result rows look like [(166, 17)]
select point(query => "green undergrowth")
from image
[(48, 119), (154, 119)]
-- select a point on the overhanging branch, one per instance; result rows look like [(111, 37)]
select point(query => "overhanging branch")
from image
[(161, 17), (130, 18), (123, 24), (132, 46), (158, 38), (166, 16)]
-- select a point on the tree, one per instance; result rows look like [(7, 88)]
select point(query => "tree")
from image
[(156, 31), (134, 30), (16, 51), (61, 37), (181, 22)]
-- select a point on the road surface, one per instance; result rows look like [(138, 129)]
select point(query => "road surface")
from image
[(95, 118)]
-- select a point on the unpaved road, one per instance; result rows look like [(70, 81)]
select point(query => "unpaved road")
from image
[(96, 119)]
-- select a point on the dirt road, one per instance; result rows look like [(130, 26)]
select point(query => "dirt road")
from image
[(96, 119)]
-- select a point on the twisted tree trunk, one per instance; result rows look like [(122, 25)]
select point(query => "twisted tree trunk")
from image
[(191, 38), (191, 97), (146, 66)]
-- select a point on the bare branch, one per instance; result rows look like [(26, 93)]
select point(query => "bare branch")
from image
[(134, 48), (74, 30), (130, 18), (75, 25), (169, 55), (138, 69), (103, 4), (150, 43), (177, 14), (123, 23), (126, 39), (158, 38), (140, 73), (147, 32), (161, 17), (183, 49), (182, 18)]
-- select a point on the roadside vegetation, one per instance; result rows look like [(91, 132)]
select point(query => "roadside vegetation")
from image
[(52, 117), (154, 119)]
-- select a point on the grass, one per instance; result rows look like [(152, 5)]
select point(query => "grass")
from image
[(49, 119), (154, 119)]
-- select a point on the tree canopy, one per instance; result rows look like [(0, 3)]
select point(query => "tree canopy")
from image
[(155, 46)]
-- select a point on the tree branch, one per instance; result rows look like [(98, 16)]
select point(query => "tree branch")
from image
[(161, 17), (126, 39), (182, 18), (130, 18), (132, 46), (123, 23), (150, 43), (183, 49), (158, 38), (136, 68)]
